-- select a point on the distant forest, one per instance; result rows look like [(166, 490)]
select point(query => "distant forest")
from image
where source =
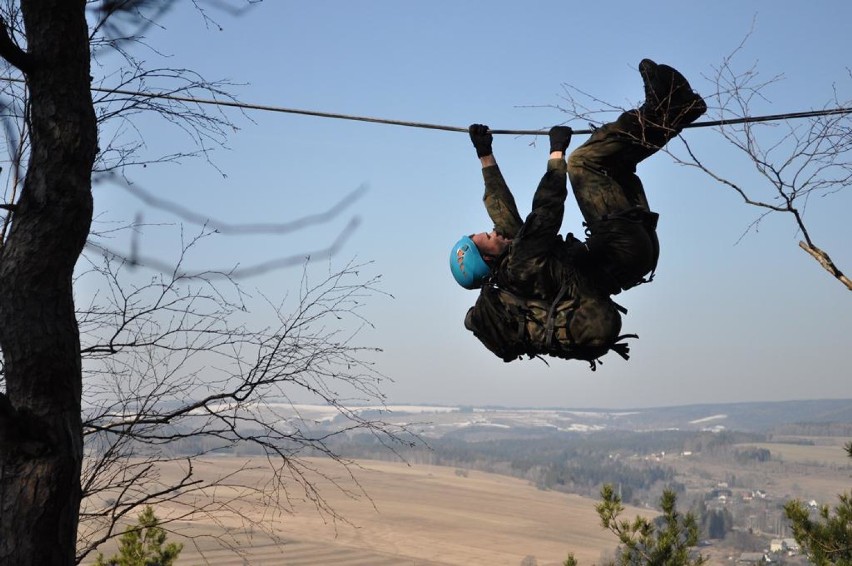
[(578, 463), (635, 462)]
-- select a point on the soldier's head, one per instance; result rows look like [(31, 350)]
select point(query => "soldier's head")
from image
[(472, 256)]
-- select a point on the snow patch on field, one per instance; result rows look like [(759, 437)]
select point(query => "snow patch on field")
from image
[(708, 419)]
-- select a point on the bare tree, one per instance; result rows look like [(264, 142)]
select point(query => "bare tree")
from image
[(41, 436), (146, 390), (796, 158), (175, 370)]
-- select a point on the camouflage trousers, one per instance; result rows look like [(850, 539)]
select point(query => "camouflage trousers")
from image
[(620, 226), (602, 171)]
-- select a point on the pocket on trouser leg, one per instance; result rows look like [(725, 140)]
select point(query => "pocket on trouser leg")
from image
[(625, 250), (596, 193)]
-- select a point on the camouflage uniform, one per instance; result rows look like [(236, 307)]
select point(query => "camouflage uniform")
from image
[(541, 278), (566, 283)]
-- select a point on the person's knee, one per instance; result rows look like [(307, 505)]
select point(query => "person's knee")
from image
[(581, 162), (594, 158)]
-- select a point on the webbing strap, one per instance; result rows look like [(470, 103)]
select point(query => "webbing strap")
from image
[(551, 319)]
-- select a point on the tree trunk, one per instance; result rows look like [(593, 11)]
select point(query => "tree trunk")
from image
[(41, 445)]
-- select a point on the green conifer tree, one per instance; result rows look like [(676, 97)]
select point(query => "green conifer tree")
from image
[(666, 541), (143, 544), (827, 538)]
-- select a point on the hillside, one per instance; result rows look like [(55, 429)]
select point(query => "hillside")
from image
[(753, 417), (756, 417), (425, 515), (744, 460)]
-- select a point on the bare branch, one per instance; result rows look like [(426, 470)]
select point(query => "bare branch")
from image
[(793, 161), (172, 376), (232, 272), (222, 227), (10, 50), (826, 262)]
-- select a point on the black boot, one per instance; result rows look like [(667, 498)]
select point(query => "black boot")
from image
[(669, 100)]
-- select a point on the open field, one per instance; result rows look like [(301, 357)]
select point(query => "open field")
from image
[(423, 515), (392, 514), (796, 471), (826, 452)]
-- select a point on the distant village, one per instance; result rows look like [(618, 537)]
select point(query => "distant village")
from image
[(753, 510)]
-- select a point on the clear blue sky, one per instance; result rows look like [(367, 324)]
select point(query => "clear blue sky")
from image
[(725, 320)]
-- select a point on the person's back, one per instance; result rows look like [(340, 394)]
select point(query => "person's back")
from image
[(552, 305)]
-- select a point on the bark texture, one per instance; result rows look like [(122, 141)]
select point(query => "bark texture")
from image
[(41, 445)]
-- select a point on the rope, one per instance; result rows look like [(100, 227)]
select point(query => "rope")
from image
[(268, 108)]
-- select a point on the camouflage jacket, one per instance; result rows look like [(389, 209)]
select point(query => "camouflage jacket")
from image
[(545, 295)]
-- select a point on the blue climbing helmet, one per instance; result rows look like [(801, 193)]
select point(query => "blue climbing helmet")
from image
[(467, 265)]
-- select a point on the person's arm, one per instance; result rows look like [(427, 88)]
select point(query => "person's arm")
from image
[(498, 199), (550, 195), (540, 230), (499, 203), (548, 206)]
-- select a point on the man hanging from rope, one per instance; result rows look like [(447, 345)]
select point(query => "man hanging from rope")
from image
[(542, 294)]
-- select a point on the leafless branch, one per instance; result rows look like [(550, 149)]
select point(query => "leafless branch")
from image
[(175, 372), (223, 227), (794, 161), (133, 258), (11, 51)]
